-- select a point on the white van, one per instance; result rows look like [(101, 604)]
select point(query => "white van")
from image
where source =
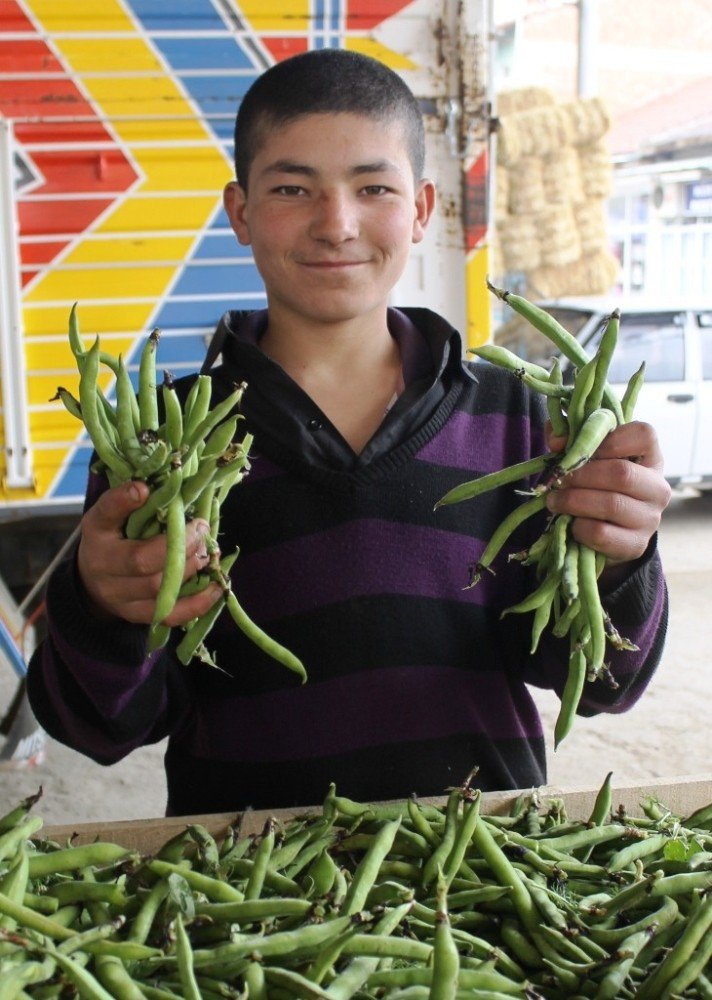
[(676, 345)]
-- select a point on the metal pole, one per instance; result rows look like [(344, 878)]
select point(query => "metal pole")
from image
[(13, 375), (588, 32)]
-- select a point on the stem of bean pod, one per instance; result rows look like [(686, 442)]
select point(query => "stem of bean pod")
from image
[(502, 533)]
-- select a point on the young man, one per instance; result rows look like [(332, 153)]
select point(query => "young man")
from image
[(363, 416)]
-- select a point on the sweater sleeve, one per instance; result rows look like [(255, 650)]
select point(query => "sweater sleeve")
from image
[(638, 609), (90, 683)]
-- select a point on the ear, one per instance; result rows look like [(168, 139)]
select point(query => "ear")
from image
[(235, 202), (424, 206)]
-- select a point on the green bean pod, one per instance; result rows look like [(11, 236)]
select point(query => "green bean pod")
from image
[(262, 640), (631, 393), (569, 572), (674, 962), (504, 358), (558, 335), (196, 631), (193, 486), (173, 411), (577, 410), (70, 402), (591, 603), (455, 858), (158, 500), (13, 885), (196, 405), (88, 401), (368, 868), (174, 566), (12, 839), (513, 520), (512, 474), (221, 438), (690, 971), (595, 429), (602, 805), (542, 595), (214, 417), (184, 954), (557, 415), (125, 425), (147, 388), (446, 957), (604, 355)]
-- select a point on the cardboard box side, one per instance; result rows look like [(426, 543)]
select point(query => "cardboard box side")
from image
[(681, 795)]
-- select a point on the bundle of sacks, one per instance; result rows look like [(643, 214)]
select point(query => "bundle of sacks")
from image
[(553, 175)]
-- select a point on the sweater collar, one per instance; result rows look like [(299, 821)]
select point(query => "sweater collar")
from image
[(428, 343)]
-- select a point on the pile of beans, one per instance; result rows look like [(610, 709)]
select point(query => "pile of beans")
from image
[(397, 901)]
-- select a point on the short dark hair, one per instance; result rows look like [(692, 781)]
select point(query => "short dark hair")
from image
[(324, 81)]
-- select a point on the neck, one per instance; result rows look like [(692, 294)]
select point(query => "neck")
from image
[(301, 347), (350, 370)]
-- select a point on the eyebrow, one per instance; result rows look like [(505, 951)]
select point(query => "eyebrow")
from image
[(286, 166)]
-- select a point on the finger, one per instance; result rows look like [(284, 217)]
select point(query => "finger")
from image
[(619, 544), (196, 547), (635, 440), (140, 612), (188, 608), (139, 576), (610, 506), (618, 475), (113, 507)]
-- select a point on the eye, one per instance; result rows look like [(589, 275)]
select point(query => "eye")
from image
[(376, 189), (289, 190)]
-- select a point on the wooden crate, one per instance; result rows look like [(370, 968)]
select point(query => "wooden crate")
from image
[(681, 795)]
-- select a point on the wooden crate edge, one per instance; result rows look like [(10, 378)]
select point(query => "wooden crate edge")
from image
[(681, 794)]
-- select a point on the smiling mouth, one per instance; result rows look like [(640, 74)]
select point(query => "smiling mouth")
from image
[(329, 264)]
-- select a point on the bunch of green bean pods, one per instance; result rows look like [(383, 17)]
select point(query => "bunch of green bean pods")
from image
[(390, 900), (567, 572), (189, 457)]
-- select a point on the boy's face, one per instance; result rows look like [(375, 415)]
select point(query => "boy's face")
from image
[(331, 213)]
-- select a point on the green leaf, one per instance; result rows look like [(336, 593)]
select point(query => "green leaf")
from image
[(180, 895), (680, 850), (675, 850)]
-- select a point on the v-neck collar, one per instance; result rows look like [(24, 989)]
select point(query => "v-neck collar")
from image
[(289, 426)]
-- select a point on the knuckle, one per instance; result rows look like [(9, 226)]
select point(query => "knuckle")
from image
[(142, 561), (665, 494), (624, 474), (616, 507), (596, 534)]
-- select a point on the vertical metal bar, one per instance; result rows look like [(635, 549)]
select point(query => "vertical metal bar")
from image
[(588, 33), (13, 373)]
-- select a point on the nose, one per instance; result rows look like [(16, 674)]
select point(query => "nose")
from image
[(335, 219)]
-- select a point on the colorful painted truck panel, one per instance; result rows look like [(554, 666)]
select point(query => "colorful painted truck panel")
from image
[(115, 143)]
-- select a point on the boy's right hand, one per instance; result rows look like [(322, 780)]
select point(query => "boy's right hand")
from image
[(121, 577)]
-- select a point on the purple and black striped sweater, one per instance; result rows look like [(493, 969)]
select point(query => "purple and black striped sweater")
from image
[(412, 679)]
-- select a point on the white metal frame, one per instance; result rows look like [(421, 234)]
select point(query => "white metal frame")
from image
[(13, 376)]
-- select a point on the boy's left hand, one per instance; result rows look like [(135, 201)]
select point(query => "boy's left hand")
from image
[(618, 497)]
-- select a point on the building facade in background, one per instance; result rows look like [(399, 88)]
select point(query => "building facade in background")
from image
[(655, 75)]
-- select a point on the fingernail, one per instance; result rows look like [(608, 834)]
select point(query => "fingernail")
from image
[(134, 493)]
